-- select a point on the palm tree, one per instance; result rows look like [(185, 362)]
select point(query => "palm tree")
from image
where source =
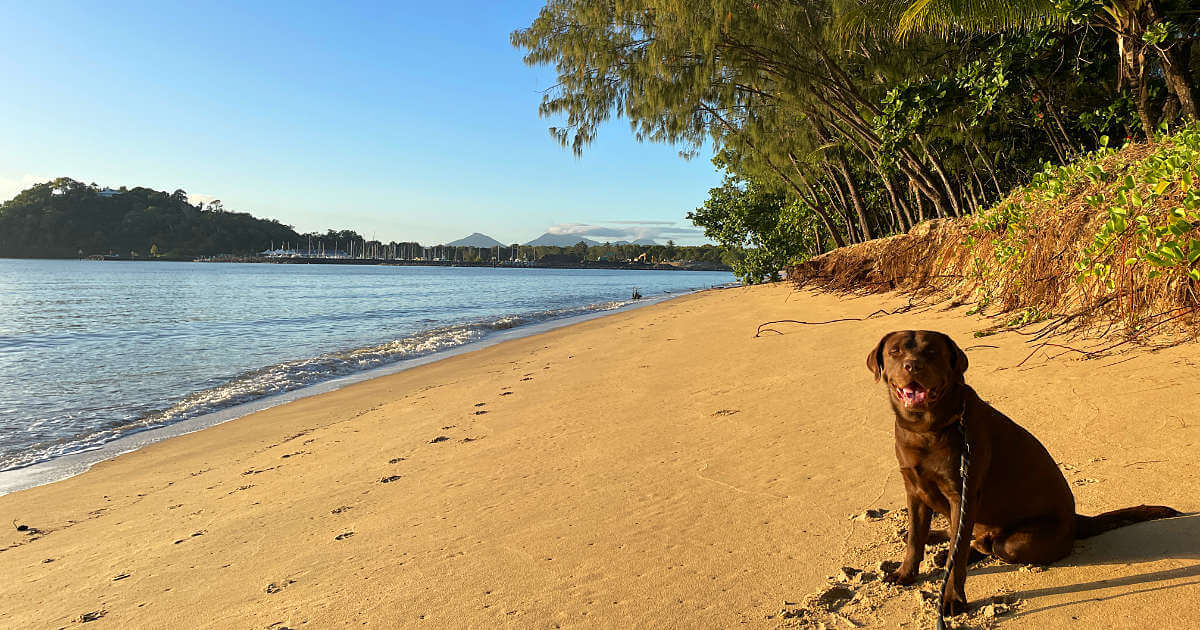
[(1138, 25)]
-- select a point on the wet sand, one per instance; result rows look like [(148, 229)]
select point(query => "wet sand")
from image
[(660, 467)]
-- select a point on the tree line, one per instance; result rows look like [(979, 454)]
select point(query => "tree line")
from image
[(839, 121), (65, 218)]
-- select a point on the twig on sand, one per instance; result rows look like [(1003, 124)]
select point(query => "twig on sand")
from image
[(1091, 354), (1045, 344), (763, 327)]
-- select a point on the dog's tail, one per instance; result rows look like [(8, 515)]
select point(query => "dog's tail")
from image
[(1088, 526)]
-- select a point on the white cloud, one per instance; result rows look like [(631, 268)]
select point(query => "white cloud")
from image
[(194, 198), (660, 231), (10, 186), (584, 229)]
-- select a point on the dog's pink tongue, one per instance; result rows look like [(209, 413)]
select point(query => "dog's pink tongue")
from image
[(913, 395)]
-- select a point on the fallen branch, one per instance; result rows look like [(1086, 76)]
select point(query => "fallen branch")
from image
[(762, 328)]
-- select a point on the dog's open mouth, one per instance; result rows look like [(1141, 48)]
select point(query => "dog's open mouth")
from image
[(913, 395)]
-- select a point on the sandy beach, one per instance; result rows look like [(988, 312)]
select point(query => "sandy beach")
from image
[(659, 467)]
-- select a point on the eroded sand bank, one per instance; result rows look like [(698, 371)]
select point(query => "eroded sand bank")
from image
[(655, 468)]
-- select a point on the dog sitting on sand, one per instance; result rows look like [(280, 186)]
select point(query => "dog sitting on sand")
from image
[(1019, 506)]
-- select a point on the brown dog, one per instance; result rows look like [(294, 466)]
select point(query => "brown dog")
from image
[(1018, 505)]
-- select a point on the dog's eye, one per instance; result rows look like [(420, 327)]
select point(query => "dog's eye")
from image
[(893, 351)]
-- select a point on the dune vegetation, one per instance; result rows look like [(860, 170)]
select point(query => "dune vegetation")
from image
[(1108, 239)]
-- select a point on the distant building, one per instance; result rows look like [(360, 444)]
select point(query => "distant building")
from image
[(108, 192)]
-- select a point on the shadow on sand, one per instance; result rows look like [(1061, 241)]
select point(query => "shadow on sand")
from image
[(1173, 538)]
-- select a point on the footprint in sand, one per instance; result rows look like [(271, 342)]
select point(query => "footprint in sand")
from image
[(199, 533), (506, 393), (396, 460), (725, 412), (440, 438), (480, 404), (388, 479), (480, 412), (339, 510), (527, 378), (255, 471), (343, 536), (275, 587)]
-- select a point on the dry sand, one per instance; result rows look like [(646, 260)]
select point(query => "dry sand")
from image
[(654, 468)]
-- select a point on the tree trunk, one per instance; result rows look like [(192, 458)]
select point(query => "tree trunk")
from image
[(1175, 60), (856, 198), (986, 160), (1129, 29), (834, 233), (906, 217), (909, 163), (920, 206), (851, 233), (978, 181), (937, 167)]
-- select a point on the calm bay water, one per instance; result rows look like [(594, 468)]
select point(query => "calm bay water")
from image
[(92, 351)]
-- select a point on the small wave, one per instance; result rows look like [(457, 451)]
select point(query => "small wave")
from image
[(291, 375)]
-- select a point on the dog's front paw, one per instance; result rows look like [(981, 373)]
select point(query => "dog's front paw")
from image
[(901, 577), (954, 602)]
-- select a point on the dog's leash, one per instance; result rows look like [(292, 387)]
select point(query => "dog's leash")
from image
[(964, 462)]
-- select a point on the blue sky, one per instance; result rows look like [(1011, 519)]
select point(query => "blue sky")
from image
[(416, 121)]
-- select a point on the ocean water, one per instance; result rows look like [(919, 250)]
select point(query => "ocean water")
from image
[(91, 352)]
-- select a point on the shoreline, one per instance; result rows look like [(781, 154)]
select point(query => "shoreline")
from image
[(385, 262), (78, 462), (654, 467)]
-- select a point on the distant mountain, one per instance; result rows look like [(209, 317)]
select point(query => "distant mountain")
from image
[(477, 240), (561, 240), (640, 241)]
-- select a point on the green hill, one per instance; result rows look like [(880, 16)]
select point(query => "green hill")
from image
[(65, 218)]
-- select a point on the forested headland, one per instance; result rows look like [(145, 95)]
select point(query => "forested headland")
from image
[(65, 218), (839, 121)]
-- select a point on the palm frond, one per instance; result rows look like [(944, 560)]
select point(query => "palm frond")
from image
[(941, 17)]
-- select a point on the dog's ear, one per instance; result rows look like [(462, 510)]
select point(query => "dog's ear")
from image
[(875, 359), (958, 358)]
